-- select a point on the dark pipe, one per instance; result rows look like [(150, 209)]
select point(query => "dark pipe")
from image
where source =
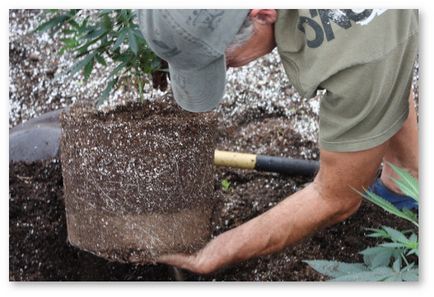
[(287, 166)]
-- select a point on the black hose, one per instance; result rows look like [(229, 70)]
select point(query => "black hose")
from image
[(287, 166)]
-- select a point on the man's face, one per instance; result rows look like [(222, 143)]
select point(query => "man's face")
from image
[(260, 43)]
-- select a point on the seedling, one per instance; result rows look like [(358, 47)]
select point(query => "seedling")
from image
[(226, 184)]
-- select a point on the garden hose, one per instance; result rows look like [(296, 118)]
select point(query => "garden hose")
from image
[(286, 166)]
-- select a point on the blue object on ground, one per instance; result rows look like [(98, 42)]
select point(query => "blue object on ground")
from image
[(400, 201)]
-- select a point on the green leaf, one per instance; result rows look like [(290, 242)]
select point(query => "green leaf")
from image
[(396, 266), (83, 50), (377, 233), (155, 64), (81, 64), (410, 275), (387, 206), (70, 42), (95, 33), (62, 51), (88, 69), (138, 34), (125, 57), (406, 189), (73, 24), (83, 26), (100, 60), (413, 251), (225, 184), (106, 11), (396, 245), (393, 278), (334, 268), (68, 32), (377, 256), (107, 23), (132, 42), (105, 94), (395, 235), (117, 70), (120, 39), (124, 16), (411, 215), (377, 274), (52, 23), (407, 183)]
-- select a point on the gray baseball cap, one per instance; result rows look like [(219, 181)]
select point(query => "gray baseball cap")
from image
[(193, 42)]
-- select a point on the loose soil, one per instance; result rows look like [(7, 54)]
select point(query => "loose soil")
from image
[(38, 239), (261, 113)]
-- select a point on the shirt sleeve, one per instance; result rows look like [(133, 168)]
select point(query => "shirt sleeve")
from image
[(366, 104)]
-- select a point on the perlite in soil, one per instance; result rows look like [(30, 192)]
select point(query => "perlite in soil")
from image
[(138, 180)]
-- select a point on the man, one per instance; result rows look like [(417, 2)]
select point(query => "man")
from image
[(364, 61)]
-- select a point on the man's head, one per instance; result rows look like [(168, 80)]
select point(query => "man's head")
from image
[(199, 44), (255, 38)]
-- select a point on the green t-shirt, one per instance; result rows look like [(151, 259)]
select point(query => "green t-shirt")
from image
[(363, 59)]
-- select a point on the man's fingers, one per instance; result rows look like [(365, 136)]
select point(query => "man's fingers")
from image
[(188, 262), (179, 260)]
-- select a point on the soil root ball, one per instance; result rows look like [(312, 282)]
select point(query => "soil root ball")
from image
[(138, 179)]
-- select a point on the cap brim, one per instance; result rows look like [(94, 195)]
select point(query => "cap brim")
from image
[(199, 90)]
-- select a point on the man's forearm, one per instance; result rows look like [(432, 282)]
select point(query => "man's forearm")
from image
[(328, 200), (287, 223)]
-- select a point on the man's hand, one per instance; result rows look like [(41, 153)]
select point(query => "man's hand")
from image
[(216, 254), (204, 261), (329, 199), (219, 252), (189, 262)]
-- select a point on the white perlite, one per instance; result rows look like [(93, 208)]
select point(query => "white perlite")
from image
[(39, 82)]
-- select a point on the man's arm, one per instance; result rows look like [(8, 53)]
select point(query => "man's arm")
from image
[(329, 199)]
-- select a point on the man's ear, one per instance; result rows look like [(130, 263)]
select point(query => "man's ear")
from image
[(264, 16)]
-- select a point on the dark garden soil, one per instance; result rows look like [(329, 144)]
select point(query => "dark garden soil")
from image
[(38, 240), (261, 114)]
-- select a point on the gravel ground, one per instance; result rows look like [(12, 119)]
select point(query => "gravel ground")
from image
[(39, 82), (39, 79)]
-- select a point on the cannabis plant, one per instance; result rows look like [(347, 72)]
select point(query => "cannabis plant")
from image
[(109, 36), (395, 259)]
